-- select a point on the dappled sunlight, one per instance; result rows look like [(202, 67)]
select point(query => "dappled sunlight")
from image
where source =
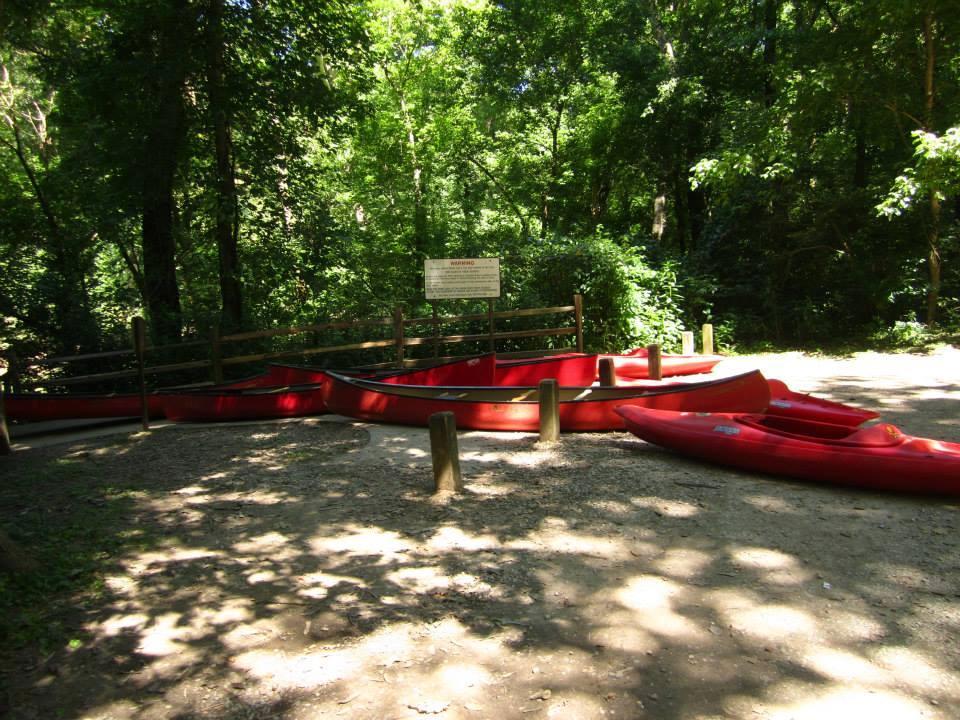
[(774, 623), (274, 544), (356, 540), (773, 566), (670, 508), (653, 603), (917, 669), (682, 563), (846, 702), (450, 539)]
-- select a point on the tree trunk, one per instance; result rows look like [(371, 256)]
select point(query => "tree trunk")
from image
[(227, 220), (933, 230), (770, 11), (164, 136)]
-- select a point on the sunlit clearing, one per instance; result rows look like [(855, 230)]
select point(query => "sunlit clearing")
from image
[(778, 568), (683, 563), (568, 542), (316, 585), (843, 666), (372, 541), (271, 543), (670, 508), (651, 599), (531, 458), (853, 703), (119, 624), (912, 667), (768, 503), (773, 622), (463, 678), (170, 635), (191, 490), (448, 539)]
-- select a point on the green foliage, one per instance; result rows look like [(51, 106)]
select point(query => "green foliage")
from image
[(676, 163)]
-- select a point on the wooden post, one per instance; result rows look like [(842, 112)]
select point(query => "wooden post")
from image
[(398, 334), (12, 380), (654, 365), (4, 434), (578, 319), (436, 331), (686, 343), (445, 452), (139, 328), (493, 343), (549, 410), (608, 372), (216, 355), (707, 339)]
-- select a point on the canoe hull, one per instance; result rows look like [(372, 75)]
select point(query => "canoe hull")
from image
[(252, 404), (585, 409), (879, 457), (38, 407)]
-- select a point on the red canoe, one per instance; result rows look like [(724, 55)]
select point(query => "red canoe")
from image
[(37, 407), (224, 404), (582, 409), (879, 457), (634, 364), (572, 369)]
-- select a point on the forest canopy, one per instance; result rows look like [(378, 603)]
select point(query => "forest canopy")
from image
[(786, 170)]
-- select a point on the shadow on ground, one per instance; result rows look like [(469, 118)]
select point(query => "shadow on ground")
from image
[(300, 569)]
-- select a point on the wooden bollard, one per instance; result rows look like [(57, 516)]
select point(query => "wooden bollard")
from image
[(549, 410), (4, 435), (654, 364), (445, 452), (707, 339), (139, 329), (608, 372), (686, 343)]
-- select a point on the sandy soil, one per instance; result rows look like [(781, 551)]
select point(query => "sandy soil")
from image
[(301, 569)]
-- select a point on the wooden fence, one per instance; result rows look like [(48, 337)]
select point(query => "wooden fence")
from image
[(218, 356)]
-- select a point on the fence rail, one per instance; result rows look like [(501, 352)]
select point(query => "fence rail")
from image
[(218, 357)]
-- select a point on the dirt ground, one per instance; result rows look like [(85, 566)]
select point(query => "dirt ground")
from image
[(301, 569)]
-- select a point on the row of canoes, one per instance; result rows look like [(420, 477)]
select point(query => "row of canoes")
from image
[(746, 421)]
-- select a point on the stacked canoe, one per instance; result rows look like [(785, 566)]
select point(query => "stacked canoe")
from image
[(746, 421)]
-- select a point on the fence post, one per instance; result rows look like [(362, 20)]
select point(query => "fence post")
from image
[(707, 339), (578, 319), (445, 453), (493, 343), (216, 354), (4, 434), (654, 366), (608, 372), (686, 343), (398, 333), (549, 410), (139, 328), (12, 381), (436, 330)]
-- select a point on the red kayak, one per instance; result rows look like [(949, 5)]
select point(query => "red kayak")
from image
[(224, 404), (582, 409), (786, 402), (36, 407), (879, 457)]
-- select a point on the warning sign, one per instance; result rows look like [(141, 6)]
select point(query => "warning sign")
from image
[(449, 278)]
